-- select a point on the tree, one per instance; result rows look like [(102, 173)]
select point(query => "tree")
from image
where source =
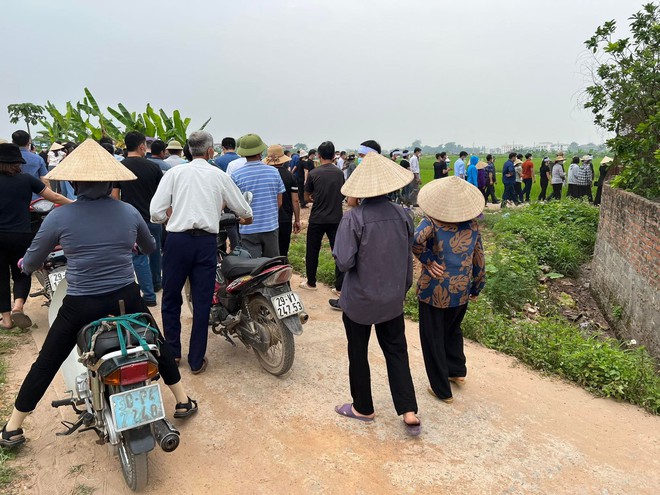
[(300, 146), (417, 143), (28, 112), (625, 98)]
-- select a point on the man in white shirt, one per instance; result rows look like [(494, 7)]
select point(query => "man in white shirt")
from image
[(191, 199), (341, 160), (459, 165), (417, 181)]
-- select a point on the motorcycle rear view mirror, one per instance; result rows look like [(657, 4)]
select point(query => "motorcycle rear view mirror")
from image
[(248, 197), (42, 206)]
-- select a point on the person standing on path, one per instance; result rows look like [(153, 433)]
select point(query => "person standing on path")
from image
[(305, 166), (528, 175), (158, 155), (228, 153), (604, 166), (440, 168), (34, 165), (448, 245), (175, 150), (459, 165), (544, 177), (417, 181), (492, 179), (509, 181), (260, 238), (323, 190), (517, 164), (558, 176), (97, 235), (376, 283), (139, 193), (190, 199), (571, 178), (472, 172), (584, 179), (290, 206)]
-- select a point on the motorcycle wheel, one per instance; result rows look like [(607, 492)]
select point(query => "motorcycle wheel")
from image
[(278, 359), (133, 467)]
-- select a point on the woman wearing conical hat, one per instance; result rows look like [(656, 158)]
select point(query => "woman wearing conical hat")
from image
[(98, 235), (448, 245)]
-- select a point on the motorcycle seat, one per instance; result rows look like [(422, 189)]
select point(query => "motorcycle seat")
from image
[(108, 341), (235, 266)]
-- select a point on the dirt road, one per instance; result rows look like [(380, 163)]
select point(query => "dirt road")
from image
[(510, 430)]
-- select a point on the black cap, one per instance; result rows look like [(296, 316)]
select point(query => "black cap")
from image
[(10, 153)]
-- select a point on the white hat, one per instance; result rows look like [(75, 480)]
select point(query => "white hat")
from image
[(56, 146), (375, 176), (89, 162), (451, 199)]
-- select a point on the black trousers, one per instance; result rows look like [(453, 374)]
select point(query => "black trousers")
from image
[(556, 191), (442, 345), (284, 237), (518, 191), (392, 339), (76, 312), (509, 194), (544, 188), (572, 191), (527, 190), (12, 248), (315, 233), (301, 191), (584, 192), (490, 191)]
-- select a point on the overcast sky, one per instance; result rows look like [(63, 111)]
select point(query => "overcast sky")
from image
[(471, 71)]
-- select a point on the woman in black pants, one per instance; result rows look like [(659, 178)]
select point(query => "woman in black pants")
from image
[(98, 235), (544, 177), (16, 191)]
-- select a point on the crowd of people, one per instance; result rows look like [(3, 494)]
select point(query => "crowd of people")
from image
[(152, 211)]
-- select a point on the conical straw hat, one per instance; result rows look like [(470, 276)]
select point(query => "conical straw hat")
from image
[(56, 146), (89, 162), (376, 175), (451, 199)]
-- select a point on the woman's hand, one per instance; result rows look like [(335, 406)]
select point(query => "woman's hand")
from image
[(436, 270)]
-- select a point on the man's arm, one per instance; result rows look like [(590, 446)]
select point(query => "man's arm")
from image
[(53, 197), (160, 207), (279, 201), (296, 210), (236, 202)]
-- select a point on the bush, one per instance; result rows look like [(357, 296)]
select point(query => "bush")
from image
[(603, 366), (326, 269)]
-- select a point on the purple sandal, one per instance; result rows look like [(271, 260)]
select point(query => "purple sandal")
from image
[(347, 410), (414, 430)]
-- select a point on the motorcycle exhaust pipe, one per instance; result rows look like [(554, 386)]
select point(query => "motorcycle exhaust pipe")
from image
[(166, 435), (303, 317)]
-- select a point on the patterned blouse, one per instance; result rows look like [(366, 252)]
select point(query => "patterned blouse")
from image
[(458, 248)]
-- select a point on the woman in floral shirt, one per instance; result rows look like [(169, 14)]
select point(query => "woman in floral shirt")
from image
[(448, 245)]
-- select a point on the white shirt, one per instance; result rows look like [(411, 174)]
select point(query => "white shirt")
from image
[(197, 194), (174, 160), (414, 164), (234, 165), (340, 163)]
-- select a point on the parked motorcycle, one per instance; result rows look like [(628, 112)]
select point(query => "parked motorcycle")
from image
[(111, 379), (53, 270), (253, 302)]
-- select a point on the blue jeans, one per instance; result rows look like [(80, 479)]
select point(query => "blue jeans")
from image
[(155, 258), (143, 273)]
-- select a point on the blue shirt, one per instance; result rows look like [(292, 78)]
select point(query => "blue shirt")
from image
[(223, 160), (164, 166), (509, 168), (491, 170), (458, 248), (34, 165), (265, 184), (459, 168)]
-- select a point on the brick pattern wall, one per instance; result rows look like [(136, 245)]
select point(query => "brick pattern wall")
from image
[(626, 266)]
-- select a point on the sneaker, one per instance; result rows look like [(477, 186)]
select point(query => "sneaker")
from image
[(334, 304), (151, 304), (305, 285)]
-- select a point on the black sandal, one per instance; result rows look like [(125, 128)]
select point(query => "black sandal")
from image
[(10, 439), (183, 410)]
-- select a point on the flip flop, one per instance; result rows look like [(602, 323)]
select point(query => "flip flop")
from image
[(183, 410), (413, 430), (202, 368), (459, 380), (347, 410), (21, 320), (10, 439), (448, 400)]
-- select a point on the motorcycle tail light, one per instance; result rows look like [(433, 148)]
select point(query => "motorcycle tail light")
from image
[(238, 282), (281, 276), (132, 373)]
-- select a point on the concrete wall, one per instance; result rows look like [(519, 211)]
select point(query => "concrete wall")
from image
[(626, 266)]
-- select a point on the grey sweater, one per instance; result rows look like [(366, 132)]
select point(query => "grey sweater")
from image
[(97, 237)]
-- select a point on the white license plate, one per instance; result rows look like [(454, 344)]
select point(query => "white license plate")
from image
[(287, 304), (137, 407), (55, 278)]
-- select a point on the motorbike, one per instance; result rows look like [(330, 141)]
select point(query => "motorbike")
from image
[(53, 270), (114, 390), (253, 303)]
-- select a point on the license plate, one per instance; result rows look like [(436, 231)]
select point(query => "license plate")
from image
[(55, 278), (287, 304), (137, 407)]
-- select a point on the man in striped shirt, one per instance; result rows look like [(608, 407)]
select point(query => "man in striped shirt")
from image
[(264, 182)]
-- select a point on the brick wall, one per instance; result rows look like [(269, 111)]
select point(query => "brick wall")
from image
[(626, 266)]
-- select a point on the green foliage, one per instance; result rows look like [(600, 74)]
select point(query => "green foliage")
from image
[(27, 112), (617, 312), (561, 234), (602, 366), (7, 473), (86, 119), (326, 269), (625, 98)]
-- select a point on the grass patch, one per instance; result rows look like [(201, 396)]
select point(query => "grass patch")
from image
[(81, 489), (7, 473), (326, 269)]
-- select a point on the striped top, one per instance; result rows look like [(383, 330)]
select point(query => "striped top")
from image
[(264, 182)]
